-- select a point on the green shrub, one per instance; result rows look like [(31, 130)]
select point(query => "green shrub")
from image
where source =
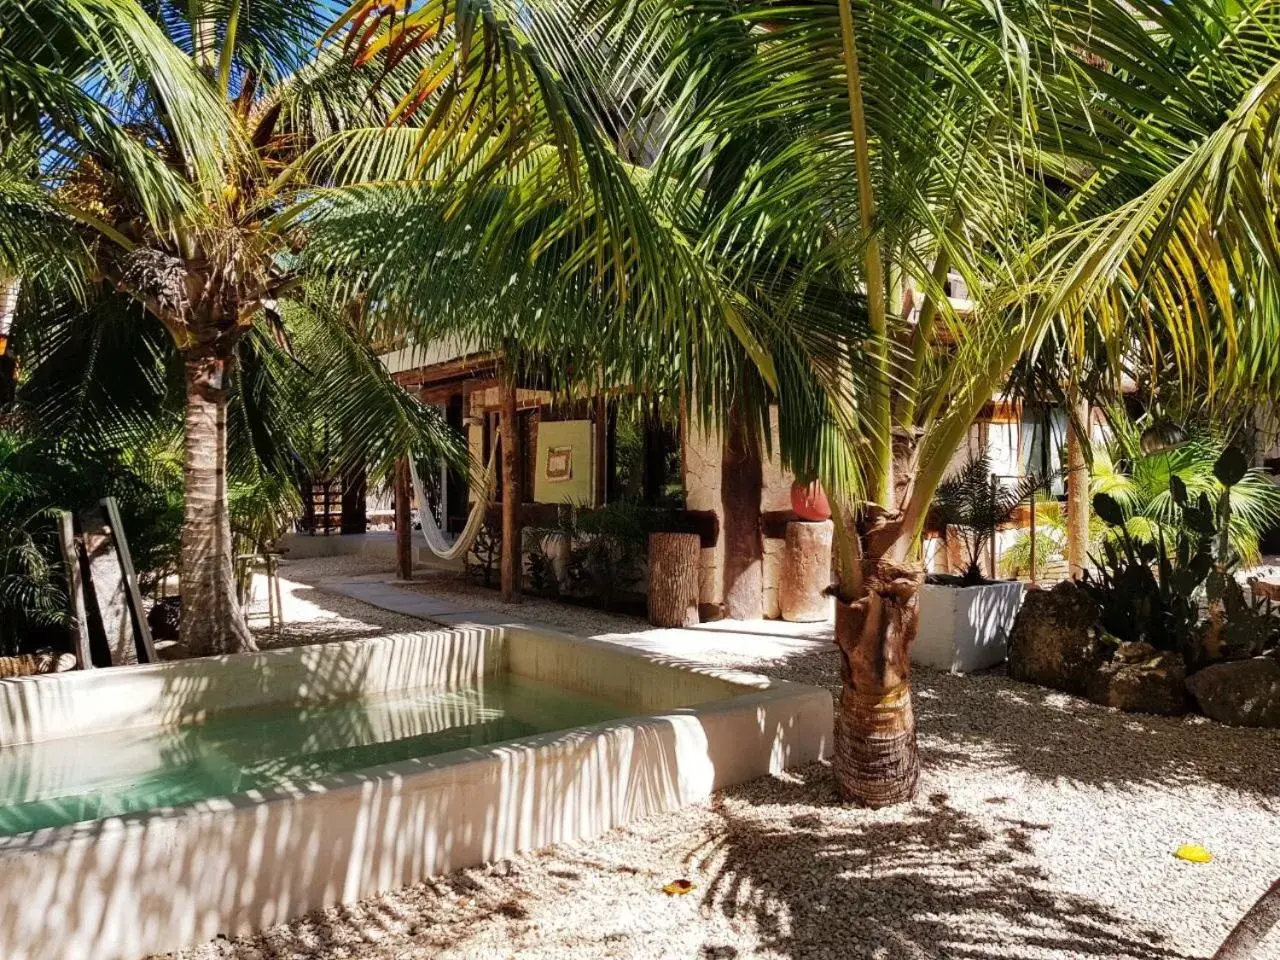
[(36, 483), (1175, 588)]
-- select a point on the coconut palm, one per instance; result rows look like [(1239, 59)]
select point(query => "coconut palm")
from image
[(169, 137), (822, 172)]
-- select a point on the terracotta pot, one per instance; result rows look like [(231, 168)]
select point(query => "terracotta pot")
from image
[(809, 501)]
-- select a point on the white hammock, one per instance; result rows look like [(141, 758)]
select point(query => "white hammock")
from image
[(431, 532)]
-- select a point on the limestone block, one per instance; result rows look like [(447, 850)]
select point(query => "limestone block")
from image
[(774, 550), (806, 571)]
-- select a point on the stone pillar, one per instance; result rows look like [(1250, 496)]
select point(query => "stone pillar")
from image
[(702, 451), (806, 571)]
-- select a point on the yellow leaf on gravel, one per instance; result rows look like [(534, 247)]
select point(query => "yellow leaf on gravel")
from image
[(678, 887), (1193, 852)]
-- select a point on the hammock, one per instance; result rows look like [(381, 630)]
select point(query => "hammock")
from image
[(431, 532)]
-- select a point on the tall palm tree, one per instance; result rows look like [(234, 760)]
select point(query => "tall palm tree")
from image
[(941, 139), (804, 168), (171, 134)]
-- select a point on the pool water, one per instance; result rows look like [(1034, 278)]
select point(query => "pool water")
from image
[(58, 782)]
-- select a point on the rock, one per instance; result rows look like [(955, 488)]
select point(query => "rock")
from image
[(1141, 679), (1054, 641), (1242, 693)]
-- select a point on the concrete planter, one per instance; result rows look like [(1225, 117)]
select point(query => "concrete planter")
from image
[(963, 629)]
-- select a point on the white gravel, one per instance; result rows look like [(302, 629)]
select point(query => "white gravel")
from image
[(1045, 828)]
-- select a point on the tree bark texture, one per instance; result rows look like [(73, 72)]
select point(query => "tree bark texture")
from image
[(673, 579), (876, 762), (741, 480), (404, 521), (1243, 942), (1077, 491), (212, 621), (806, 571), (510, 440)]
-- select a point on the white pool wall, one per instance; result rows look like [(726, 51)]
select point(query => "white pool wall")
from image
[(160, 880), (33, 709)]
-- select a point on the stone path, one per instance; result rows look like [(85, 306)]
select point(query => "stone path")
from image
[(764, 641)]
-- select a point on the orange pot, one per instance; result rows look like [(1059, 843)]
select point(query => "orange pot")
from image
[(809, 501)]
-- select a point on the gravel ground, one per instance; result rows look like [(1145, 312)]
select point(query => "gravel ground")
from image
[(1045, 828), (312, 615)]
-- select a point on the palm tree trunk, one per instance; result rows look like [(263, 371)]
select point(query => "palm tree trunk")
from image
[(876, 761), (1243, 942), (212, 622), (1077, 489)]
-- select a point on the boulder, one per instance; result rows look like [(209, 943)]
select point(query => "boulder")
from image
[(1141, 679), (1242, 693), (1054, 640)]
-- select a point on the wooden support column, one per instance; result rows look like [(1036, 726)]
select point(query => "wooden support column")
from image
[(354, 509), (653, 473), (511, 495), (741, 479), (1077, 490), (600, 446), (404, 522)]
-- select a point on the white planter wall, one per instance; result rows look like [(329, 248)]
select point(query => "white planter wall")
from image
[(963, 629)]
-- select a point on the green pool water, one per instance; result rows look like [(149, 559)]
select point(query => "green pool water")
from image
[(58, 782)]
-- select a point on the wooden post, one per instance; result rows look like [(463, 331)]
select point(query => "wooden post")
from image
[(741, 480), (600, 444), (75, 587), (510, 440), (354, 511), (404, 522), (1077, 489)]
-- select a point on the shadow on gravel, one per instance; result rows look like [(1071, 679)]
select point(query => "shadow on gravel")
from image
[(930, 883), (990, 721)]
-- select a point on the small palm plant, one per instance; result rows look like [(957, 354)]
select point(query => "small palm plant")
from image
[(974, 500), (1141, 484)]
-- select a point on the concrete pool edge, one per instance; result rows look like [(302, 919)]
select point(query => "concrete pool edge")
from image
[(163, 879)]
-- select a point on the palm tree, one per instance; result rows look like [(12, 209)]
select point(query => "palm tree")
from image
[(974, 500), (173, 139), (964, 147), (805, 168)]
